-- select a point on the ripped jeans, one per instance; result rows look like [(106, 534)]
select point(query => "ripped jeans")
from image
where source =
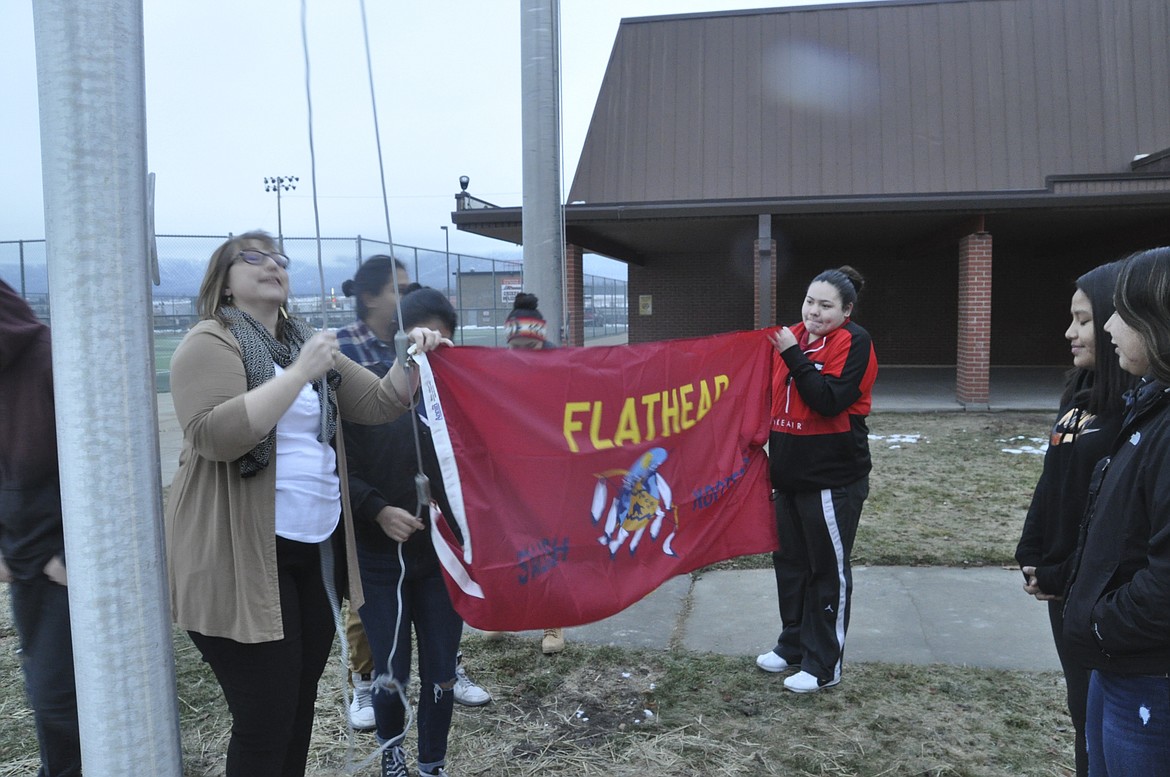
[(426, 606), (1127, 726)]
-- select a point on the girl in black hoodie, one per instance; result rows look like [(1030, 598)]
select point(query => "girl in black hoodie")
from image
[(1117, 608), (1088, 420)]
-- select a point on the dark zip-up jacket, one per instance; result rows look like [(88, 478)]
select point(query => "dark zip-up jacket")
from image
[(1117, 607), (1078, 441), (382, 466), (821, 395), (30, 491)]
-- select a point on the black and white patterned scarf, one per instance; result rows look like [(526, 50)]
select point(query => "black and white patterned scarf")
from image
[(260, 351)]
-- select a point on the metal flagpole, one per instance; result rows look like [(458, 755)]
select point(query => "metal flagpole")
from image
[(543, 230), (90, 75)]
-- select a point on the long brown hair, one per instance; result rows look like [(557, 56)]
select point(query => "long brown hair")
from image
[(211, 290)]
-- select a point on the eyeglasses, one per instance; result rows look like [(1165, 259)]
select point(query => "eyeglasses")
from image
[(258, 257)]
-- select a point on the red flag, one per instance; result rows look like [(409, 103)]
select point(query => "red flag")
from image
[(583, 478)]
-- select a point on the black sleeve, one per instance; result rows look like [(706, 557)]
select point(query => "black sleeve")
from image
[(1053, 579), (364, 498), (1028, 552), (1030, 548), (1134, 617)]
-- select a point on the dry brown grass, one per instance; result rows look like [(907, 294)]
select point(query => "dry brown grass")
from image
[(952, 497)]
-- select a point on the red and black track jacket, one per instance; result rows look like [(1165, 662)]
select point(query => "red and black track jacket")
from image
[(821, 395)]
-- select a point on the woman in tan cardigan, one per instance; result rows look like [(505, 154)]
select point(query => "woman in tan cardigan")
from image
[(260, 492)]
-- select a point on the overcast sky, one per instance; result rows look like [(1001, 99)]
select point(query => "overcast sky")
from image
[(226, 107)]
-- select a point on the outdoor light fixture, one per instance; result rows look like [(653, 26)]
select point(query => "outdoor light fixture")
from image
[(278, 184), (463, 181)]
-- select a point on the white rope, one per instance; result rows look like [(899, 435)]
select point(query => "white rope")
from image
[(326, 551), (377, 132), (327, 566), (400, 335), (386, 682), (323, 395)]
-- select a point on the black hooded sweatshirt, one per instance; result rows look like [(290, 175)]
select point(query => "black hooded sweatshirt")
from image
[(30, 492)]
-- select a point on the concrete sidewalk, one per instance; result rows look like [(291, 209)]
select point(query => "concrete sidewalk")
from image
[(903, 615)]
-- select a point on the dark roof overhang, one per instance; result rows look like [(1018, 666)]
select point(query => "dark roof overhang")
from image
[(634, 232)]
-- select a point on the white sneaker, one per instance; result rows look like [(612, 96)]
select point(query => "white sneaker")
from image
[(361, 708), (770, 662), (467, 692), (803, 682)]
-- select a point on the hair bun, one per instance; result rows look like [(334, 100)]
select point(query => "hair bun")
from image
[(347, 287), (525, 301), (854, 277)]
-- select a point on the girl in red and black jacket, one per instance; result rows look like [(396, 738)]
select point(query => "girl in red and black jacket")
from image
[(819, 449)]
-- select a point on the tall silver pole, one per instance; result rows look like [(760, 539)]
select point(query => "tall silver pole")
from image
[(540, 93), (90, 75)]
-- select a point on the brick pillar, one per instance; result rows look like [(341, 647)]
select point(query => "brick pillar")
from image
[(574, 289), (973, 377), (769, 253)]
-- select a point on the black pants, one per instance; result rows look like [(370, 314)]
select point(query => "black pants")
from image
[(40, 609), (1076, 681), (271, 687), (814, 580)]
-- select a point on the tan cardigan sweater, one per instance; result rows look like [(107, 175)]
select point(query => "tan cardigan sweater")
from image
[(220, 527)]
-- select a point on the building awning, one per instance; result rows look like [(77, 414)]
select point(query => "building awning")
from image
[(635, 232)]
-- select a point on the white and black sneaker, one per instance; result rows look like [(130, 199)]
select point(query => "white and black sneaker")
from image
[(394, 762), (361, 707), (803, 682), (467, 692)]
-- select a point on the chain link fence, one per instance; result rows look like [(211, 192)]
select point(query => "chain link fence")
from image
[(481, 289)]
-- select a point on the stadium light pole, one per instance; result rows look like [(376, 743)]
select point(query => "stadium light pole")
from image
[(447, 253), (279, 183)]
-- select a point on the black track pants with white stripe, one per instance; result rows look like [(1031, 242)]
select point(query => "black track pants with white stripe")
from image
[(814, 580)]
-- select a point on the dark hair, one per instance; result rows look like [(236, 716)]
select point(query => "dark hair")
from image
[(847, 281), (424, 303), (1142, 300), (525, 304), (370, 278), (1100, 389)]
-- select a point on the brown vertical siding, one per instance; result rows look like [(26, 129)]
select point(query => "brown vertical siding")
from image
[(877, 98)]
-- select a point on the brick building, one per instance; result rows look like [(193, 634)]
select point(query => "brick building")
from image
[(970, 157)]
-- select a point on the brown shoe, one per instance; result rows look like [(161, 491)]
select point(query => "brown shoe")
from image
[(553, 642)]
